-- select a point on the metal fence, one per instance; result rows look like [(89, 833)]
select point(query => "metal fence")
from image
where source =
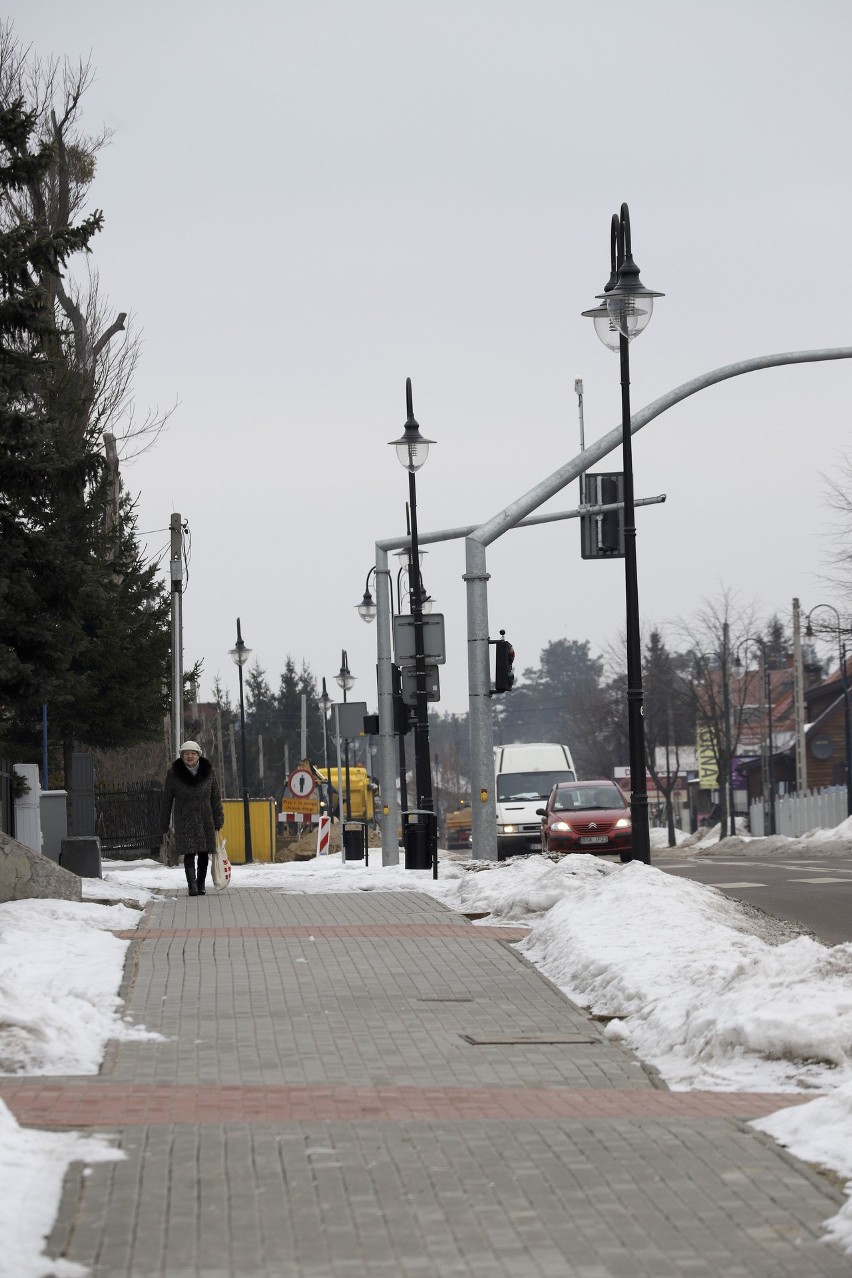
[(127, 818), (796, 814)]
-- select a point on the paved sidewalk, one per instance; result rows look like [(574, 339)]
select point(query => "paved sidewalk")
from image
[(369, 1084)]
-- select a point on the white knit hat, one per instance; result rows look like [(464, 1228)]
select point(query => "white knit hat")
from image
[(190, 745)]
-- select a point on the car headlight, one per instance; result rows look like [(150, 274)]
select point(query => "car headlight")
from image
[(560, 825), (509, 829), (623, 823)]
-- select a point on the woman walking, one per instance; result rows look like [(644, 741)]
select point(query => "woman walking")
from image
[(193, 791)]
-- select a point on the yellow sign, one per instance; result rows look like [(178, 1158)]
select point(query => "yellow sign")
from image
[(708, 768), (300, 805)]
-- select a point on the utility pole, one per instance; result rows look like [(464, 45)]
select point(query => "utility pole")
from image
[(234, 773), (799, 700), (219, 751), (177, 631)]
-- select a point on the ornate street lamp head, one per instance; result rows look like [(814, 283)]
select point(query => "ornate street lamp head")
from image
[(367, 608), (344, 678), (240, 653), (626, 305), (411, 448)]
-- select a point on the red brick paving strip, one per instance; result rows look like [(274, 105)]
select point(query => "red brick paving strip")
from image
[(458, 931), (48, 1104)]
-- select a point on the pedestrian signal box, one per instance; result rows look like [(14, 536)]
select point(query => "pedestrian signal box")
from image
[(602, 531), (504, 668)]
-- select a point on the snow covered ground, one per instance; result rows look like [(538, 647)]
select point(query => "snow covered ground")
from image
[(714, 994)]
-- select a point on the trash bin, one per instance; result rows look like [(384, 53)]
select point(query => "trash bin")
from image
[(353, 842), (82, 855), (416, 841)]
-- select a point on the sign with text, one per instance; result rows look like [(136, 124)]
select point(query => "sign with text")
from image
[(300, 805), (708, 769), (431, 685), (434, 646)]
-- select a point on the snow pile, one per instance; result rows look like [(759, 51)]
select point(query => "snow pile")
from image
[(820, 1132), (60, 971), (697, 990), (32, 1168)]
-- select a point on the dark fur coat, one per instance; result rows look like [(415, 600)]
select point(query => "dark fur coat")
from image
[(197, 807)]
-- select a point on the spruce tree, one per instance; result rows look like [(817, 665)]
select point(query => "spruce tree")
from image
[(37, 585)]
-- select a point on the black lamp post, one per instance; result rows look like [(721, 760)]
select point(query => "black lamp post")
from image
[(421, 843), (367, 611), (767, 684), (345, 680), (240, 654), (844, 682), (625, 310)]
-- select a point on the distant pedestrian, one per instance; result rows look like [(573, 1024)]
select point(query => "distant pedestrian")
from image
[(193, 792)]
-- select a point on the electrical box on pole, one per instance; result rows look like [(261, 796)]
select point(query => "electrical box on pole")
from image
[(602, 531)]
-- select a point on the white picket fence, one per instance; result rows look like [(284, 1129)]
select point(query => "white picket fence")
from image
[(796, 814)]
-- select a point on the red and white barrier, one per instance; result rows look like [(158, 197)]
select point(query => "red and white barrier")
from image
[(323, 832)]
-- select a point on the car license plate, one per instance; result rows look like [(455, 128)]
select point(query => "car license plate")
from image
[(595, 838)]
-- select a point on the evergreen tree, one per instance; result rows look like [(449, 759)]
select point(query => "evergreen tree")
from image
[(84, 621), (38, 585), (560, 701)]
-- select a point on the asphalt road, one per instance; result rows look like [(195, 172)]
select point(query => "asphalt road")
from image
[(815, 892)]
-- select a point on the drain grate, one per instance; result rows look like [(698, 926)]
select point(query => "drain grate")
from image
[(527, 1040)]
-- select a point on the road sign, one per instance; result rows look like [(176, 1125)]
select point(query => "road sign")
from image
[(434, 645), (300, 805), (350, 716), (301, 783), (430, 683)]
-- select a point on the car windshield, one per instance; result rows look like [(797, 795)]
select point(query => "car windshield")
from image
[(527, 786), (577, 798)]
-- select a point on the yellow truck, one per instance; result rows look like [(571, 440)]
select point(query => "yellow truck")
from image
[(458, 826), (361, 792)]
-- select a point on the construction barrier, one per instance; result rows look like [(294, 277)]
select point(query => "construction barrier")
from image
[(261, 823)]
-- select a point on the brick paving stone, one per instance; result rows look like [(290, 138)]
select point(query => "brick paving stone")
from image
[(313, 1111)]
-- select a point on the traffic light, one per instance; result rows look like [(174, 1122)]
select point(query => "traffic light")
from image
[(504, 674), (602, 533), (609, 533)]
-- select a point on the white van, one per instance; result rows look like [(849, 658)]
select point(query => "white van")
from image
[(524, 775)]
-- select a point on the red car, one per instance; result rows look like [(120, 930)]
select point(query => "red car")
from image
[(586, 816)]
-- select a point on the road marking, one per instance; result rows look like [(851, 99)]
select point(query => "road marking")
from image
[(823, 880), (735, 885)]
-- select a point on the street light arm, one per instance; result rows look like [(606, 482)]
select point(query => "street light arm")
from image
[(547, 488)]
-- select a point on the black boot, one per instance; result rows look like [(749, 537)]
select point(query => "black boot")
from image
[(189, 867), (201, 875)]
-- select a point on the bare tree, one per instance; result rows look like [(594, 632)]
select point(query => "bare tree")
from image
[(723, 706)]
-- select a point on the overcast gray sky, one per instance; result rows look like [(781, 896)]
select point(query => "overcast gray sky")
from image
[(308, 202)]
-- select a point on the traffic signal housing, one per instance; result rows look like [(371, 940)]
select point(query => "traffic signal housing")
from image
[(602, 533), (504, 674)]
